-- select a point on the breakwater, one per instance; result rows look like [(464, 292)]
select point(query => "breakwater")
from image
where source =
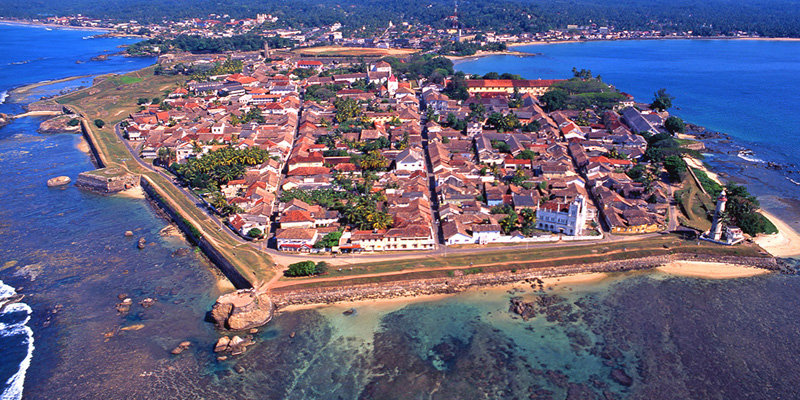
[(455, 284)]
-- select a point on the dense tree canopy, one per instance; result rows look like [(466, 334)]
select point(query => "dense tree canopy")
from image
[(710, 17), (218, 167)]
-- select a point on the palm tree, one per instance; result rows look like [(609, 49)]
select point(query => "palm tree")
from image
[(509, 223), (379, 220), (528, 217)]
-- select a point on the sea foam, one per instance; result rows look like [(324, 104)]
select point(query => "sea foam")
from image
[(15, 384)]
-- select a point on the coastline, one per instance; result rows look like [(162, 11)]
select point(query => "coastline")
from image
[(709, 270), (46, 25), (481, 54), (697, 164), (544, 42), (698, 265), (785, 243), (585, 278), (27, 88)]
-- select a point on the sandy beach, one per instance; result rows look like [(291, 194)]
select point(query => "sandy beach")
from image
[(540, 42), (56, 26), (83, 146), (398, 302), (785, 243), (134, 193), (708, 270), (579, 279), (481, 54)]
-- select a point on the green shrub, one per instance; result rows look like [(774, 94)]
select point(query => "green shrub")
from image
[(302, 268)]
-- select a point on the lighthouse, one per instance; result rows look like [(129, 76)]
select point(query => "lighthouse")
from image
[(716, 226)]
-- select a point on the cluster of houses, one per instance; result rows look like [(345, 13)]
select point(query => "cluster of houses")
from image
[(563, 171), (569, 171)]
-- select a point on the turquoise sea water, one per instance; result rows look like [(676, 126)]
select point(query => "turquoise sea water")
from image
[(65, 250)]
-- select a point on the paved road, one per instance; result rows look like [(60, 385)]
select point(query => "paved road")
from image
[(189, 196)]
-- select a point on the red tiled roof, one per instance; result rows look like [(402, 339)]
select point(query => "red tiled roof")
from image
[(511, 83), (296, 216), (606, 160)]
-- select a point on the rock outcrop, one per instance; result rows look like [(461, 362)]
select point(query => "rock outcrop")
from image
[(60, 124), (242, 310), (58, 181)]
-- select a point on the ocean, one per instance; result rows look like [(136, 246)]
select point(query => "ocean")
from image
[(641, 335)]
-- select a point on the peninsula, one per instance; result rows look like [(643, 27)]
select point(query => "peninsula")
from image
[(319, 178)]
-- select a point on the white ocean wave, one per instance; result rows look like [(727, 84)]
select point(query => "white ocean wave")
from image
[(3, 96), (6, 291), (15, 384), (748, 156)]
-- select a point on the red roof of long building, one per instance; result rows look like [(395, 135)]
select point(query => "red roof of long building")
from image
[(512, 83)]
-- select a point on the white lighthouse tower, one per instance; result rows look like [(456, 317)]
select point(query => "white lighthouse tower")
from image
[(716, 227)]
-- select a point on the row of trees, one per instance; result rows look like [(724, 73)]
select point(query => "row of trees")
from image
[(462, 49), (204, 45)]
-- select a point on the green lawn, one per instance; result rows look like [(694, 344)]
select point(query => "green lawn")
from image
[(694, 204), (129, 79)]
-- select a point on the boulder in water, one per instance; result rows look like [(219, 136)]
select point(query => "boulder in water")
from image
[(58, 181), (242, 310), (222, 344)]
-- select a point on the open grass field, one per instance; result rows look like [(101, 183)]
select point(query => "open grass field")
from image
[(353, 51), (497, 262), (694, 205), (111, 99), (543, 257)]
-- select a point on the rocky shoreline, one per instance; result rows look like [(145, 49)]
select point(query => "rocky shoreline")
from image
[(451, 285)]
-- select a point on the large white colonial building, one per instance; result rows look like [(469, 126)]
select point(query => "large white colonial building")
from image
[(566, 218)]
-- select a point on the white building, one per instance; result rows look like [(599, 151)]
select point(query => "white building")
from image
[(296, 239), (410, 159), (485, 233), (566, 218)]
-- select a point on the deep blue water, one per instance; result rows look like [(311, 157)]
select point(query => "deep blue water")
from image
[(54, 240), (746, 89), (65, 250)]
